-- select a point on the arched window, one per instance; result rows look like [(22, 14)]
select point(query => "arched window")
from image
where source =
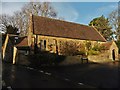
[(44, 44)]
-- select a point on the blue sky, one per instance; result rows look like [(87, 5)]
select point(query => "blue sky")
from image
[(84, 12), (61, 0), (79, 12)]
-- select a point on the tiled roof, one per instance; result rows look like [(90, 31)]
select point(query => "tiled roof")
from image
[(58, 28), (22, 42), (107, 45)]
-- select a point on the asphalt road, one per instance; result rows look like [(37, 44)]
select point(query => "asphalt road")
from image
[(26, 77), (77, 76), (95, 75)]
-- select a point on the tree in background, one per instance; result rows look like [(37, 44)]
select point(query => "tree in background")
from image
[(115, 23), (114, 19), (20, 19), (103, 26), (118, 44), (10, 30)]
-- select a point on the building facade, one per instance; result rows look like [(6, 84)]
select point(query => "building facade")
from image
[(47, 34)]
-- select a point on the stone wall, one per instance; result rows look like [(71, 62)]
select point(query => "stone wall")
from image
[(71, 60), (99, 58), (21, 58), (56, 41), (102, 58)]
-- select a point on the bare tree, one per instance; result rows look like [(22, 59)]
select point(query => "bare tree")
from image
[(47, 10), (5, 21), (35, 8), (114, 21), (20, 19)]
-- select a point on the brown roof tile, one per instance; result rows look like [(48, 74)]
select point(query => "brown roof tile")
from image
[(59, 28), (107, 45), (22, 42)]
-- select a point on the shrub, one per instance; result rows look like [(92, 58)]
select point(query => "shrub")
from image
[(68, 48), (45, 58), (41, 58), (88, 45), (81, 53), (98, 47), (93, 52)]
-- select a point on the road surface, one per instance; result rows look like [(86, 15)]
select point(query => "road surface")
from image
[(26, 77), (96, 75), (76, 76)]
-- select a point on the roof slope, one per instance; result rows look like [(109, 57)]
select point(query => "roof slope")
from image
[(22, 42), (107, 45), (59, 28)]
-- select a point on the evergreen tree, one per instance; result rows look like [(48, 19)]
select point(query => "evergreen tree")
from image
[(103, 26)]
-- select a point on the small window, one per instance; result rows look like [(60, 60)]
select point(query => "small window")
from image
[(44, 44), (40, 44)]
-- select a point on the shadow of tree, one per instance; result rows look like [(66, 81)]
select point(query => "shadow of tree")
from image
[(45, 58)]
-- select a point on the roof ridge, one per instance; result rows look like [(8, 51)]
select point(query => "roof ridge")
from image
[(62, 20), (56, 27)]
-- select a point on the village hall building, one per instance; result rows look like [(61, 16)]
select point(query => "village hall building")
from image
[(47, 34)]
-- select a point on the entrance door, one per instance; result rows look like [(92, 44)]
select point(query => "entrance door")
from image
[(113, 54)]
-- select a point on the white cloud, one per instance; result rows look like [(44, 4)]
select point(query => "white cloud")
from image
[(66, 11), (11, 7), (70, 14)]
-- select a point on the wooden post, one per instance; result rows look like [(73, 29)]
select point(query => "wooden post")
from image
[(4, 46), (14, 54)]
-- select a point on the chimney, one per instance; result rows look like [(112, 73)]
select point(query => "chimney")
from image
[(30, 30)]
